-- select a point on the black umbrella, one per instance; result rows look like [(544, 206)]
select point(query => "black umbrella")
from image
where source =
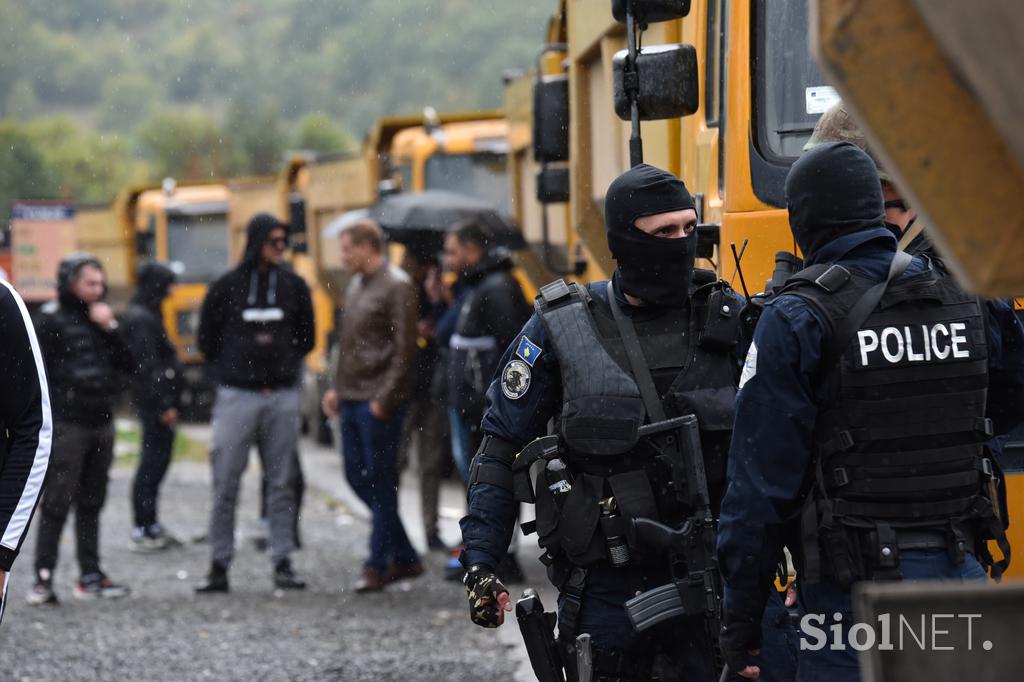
[(413, 216)]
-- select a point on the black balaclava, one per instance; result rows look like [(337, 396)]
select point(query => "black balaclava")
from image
[(654, 269), (832, 190)]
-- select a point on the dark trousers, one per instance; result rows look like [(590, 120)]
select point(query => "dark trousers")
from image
[(79, 461), (424, 432), (680, 651), (370, 453), (826, 664), (154, 459)]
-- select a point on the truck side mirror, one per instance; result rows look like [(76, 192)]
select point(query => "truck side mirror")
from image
[(553, 185), (668, 83), (551, 119), (651, 11)]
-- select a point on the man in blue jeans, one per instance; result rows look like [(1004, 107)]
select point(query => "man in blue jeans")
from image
[(373, 384)]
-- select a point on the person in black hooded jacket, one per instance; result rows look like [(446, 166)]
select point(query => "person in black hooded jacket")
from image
[(86, 365), (492, 312), (255, 328), (156, 390)]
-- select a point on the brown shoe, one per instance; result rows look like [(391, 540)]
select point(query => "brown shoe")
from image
[(372, 580), (402, 571)]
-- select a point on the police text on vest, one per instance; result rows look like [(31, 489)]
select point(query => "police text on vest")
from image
[(917, 343)]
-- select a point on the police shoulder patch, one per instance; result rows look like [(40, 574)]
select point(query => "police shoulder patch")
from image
[(515, 379), (528, 350), (749, 365)]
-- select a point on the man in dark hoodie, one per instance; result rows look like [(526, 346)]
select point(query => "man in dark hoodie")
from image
[(492, 310), (86, 364), (255, 328), (861, 421), (156, 390)]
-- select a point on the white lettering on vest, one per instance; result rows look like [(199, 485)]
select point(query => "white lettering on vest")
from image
[(892, 333), (911, 355), (868, 343), (958, 339), (939, 341), (940, 353)]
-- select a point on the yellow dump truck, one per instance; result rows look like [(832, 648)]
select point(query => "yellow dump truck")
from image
[(745, 121)]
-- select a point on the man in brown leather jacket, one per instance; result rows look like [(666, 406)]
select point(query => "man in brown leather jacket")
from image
[(375, 378)]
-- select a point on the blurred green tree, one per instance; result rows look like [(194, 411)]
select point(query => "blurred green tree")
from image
[(318, 133)]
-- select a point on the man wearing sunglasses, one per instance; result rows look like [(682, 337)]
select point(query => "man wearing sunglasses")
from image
[(255, 328)]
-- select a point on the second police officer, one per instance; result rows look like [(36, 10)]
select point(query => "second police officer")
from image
[(657, 342), (870, 389)]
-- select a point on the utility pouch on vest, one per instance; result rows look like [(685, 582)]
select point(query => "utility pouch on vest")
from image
[(844, 564), (577, 524), (995, 488), (721, 325)]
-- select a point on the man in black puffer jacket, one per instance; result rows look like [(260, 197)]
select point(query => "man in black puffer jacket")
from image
[(86, 364), (156, 390), (255, 328)]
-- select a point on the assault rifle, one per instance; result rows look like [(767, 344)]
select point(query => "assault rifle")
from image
[(695, 589)]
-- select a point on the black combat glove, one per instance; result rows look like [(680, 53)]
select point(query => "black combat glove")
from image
[(740, 635), (484, 587)]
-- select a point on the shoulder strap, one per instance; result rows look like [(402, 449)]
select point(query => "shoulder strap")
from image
[(559, 293), (846, 328), (641, 372)]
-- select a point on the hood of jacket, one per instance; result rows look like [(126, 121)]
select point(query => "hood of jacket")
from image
[(67, 271), (832, 190), (259, 229), (153, 282)]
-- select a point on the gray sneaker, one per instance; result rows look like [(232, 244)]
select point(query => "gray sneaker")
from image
[(42, 591), (99, 586)]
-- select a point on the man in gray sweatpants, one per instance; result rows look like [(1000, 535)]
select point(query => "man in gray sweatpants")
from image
[(255, 327)]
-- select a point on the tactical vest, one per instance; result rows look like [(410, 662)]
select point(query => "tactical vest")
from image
[(899, 452), (691, 355)]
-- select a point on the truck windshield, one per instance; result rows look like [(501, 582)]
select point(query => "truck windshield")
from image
[(481, 175), (790, 93), (200, 244)]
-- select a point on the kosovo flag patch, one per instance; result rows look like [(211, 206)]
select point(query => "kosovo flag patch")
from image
[(528, 350)]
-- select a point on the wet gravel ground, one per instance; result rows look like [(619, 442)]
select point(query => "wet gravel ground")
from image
[(416, 630)]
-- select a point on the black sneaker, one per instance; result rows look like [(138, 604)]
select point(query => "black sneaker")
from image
[(285, 578), (99, 586), (42, 591), (216, 580)]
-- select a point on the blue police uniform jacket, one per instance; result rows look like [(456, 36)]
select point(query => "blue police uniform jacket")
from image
[(488, 526), (778, 403)]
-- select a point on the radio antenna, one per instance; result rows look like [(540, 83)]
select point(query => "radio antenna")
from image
[(738, 256)]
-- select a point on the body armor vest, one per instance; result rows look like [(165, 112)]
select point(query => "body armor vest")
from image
[(691, 355), (899, 448)]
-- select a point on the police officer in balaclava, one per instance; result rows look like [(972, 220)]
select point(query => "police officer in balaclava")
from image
[(597, 362), (870, 389)]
